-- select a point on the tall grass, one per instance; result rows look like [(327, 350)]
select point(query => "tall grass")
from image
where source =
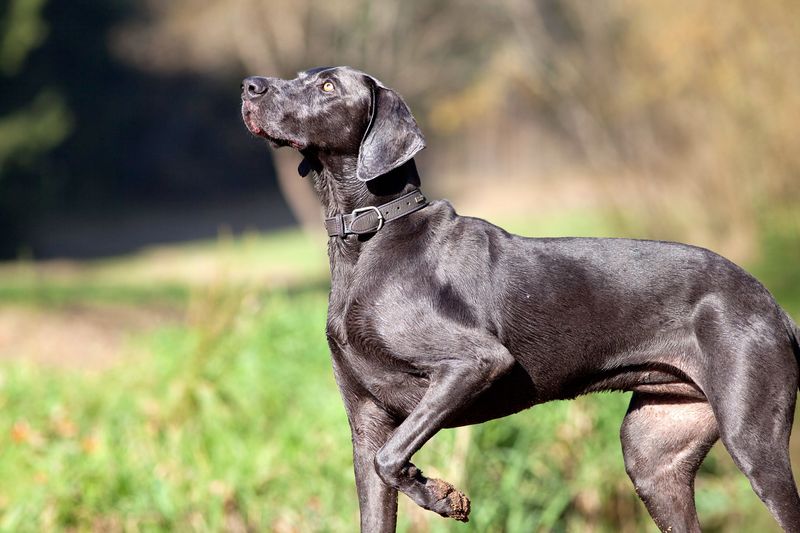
[(233, 422)]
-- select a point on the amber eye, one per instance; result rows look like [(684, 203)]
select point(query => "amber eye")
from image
[(327, 87)]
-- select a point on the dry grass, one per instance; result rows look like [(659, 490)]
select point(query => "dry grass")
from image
[(278, 259), (86, 336)]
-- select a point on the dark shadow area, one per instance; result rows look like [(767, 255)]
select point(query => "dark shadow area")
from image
[(146, 158), (147, 222)]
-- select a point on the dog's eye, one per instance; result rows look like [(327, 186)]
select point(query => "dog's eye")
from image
[(327, 87)]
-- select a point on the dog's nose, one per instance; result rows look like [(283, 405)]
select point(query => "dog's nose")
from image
[(254, 86)]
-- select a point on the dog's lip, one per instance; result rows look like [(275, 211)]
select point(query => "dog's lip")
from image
[(277, 141), (255, 129), (249, 121)]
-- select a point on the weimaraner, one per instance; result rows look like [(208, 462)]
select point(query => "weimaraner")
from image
[(437, 320)]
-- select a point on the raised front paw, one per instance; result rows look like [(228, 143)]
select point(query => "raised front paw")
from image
[(434, 494), (447, 500)]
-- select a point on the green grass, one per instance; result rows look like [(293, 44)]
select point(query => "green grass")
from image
[(47, 294), (235, 418), (170, 273), (232, 418), (779, 265)]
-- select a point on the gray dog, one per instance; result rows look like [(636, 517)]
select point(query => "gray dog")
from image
[(437, 320)]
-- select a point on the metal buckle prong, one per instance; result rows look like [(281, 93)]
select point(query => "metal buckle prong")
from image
[(369, 208)]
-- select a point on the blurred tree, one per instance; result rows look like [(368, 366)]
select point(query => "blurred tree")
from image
[(690, 100), (22, 30), (416, 45), (681, 113), (692, 105), (37, 121)]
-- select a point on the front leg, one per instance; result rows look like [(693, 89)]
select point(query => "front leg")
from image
[(370, 427), (455, 383)]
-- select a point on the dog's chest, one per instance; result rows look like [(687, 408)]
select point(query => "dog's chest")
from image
[(361, 361)]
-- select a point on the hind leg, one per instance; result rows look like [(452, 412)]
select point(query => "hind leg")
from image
[(751, 383), (758, 442), (755, 422), (664, 440), (770, 473)]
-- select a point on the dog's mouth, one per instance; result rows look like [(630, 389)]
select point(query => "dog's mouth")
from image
[(254, 128)]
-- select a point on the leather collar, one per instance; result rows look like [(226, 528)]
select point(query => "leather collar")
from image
[(371, 219)]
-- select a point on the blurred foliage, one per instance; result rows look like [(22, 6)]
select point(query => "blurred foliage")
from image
[(623, 80), (680, 113), (230, 419), (27, 133), (22, 29), (33, 126), (691, 101), (667, 119), (233, 421), (173, 444), (403, 42), (82, 132), (280, 260)]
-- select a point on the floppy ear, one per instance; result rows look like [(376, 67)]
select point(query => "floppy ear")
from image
[(392, 136)]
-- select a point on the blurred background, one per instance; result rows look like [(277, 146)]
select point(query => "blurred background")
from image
[(163, 277)]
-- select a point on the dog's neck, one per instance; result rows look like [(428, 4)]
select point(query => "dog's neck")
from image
[(340, 191)]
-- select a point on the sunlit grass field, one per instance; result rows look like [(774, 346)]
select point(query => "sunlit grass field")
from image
[(227, 418)]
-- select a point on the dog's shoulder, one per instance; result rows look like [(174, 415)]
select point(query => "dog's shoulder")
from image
[(442, 214)]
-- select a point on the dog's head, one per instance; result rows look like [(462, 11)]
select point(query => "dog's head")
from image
[(334, 110)]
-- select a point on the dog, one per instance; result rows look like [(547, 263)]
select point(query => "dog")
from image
[(437, 320)]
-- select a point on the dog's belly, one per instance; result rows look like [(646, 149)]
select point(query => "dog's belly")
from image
[(399, 393), (668, 381), (517, 391)]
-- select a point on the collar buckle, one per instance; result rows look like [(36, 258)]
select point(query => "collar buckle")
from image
[(358, 210)]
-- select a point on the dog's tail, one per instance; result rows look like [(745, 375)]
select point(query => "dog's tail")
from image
[(794, 333)]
